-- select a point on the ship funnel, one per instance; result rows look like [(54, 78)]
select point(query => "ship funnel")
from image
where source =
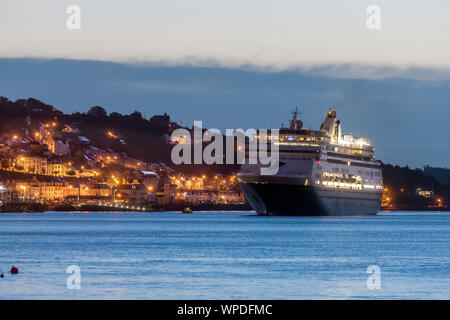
[(331, 126)]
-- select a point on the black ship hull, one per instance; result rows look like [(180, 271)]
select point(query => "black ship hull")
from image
[(301, 200)]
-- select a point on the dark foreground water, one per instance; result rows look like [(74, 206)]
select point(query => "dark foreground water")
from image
[(224, 255)]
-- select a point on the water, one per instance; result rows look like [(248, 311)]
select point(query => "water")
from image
[(224, 255)]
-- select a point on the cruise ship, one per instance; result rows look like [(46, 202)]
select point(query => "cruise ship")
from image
[(321, 173)]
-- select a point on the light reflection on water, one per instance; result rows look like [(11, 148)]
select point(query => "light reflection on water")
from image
[(224, 255)]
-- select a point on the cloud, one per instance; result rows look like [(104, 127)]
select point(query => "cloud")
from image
[(339, 71), (164, 87), (395, 108)]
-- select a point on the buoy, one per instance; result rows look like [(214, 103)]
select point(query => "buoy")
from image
[(14, 270)]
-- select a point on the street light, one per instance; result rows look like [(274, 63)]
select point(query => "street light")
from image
[(114, 194), (24, 191)]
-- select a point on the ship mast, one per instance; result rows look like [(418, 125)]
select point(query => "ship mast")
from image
[(296, 124)]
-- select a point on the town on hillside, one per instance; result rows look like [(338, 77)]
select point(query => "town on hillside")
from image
[(98, 161), (110, 162)]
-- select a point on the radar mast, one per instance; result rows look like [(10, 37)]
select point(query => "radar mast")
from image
[(296, 124)]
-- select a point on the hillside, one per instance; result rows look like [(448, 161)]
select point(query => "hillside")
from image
[(404, 184), (440, 174), (147, 140), (136, 136)]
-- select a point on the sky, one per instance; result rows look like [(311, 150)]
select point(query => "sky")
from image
[(273, 34), (243, 64)]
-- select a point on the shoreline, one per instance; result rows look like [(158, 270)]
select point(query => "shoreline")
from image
[(36, 208), (234, 209), (26, 207)]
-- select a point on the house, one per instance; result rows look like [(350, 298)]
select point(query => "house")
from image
[(44, 191), (151, 180), (56, 169), (61, 147), (3, 193), (57, 146), (83, 139), (229, 197), (90, 161), (200, 196), (135, 194), (134, 163), (33, 165)]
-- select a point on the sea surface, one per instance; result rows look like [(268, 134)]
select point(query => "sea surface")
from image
[(224, 255)]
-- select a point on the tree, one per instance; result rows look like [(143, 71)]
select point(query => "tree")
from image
[(98, 112), (115, 115), (136, 115), (5, 164)]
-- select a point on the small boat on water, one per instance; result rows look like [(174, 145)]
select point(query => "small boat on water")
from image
[(187, 210)]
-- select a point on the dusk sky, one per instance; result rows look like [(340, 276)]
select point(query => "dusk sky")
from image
[(267, 33), (243, 64)]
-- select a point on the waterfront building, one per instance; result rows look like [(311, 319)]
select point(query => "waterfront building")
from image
[(424, 193), (151, 180), (3, 193), (44, 191), (201, 196), (132, 193), (224, 196)]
